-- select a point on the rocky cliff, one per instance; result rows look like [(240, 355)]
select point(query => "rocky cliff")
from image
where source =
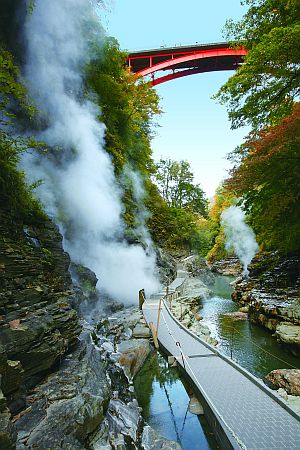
[(64, 385), (37, 324), (272, 296)]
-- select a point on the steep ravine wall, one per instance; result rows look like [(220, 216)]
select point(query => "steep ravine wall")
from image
[(37, 324), (272, 296), (61, 382)]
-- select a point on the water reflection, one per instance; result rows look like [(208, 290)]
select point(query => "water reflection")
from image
[(164, 400), (251, 346)]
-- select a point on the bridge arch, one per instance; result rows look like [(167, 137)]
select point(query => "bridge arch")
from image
[(184, 61)]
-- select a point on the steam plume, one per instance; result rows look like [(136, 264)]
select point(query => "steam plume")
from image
[(79, 189), (239, 235)]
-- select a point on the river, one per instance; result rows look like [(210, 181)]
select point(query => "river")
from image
[(251, 346), (163, 395)]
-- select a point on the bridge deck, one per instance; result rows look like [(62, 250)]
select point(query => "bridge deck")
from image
[(248, 412)]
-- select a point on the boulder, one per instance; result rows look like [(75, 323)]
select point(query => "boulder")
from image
[(288, 379), (132, 355), (196, 289), (151, 440), (141, 331), (123, 418), (85, 278), (69, 406), (166, 265), (195, 407), (288, 333)]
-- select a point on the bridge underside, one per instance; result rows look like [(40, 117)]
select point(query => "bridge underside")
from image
[(169, 63)]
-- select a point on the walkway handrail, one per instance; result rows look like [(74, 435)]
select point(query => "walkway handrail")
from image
[(185, 363), (257, 381)]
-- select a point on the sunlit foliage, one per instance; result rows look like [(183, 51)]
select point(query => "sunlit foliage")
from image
[(267, 178), (263, 90)]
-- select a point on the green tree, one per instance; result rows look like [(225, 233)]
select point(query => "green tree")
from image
[(128, 105), (264, 88), (16, 196), (175, 183)]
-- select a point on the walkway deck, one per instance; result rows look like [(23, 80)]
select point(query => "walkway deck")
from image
[(244, 413)]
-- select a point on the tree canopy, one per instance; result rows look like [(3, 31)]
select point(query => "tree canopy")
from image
[(267, 179), (263, 93), (175, 181), (264, 88)]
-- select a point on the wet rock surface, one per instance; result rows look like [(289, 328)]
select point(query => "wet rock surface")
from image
[(123, 338), (166, 265), (85, 279), (197, 267), (185, 309), (37, 322), (186, 306), (61, 387), (287, 385), (8, 433), (123, 347), (272, 296), (123, 356)]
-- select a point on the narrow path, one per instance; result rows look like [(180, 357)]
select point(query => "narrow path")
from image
[(245, 414)]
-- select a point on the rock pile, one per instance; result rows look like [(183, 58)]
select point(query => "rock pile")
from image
[(287, 384), (185, 309), (123, 342)]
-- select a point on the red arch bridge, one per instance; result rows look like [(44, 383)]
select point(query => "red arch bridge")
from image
[(166, 64)]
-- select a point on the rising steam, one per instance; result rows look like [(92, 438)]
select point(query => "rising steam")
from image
[(239, 235), (79, 190)]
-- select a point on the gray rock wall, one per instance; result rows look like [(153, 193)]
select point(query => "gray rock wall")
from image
[(37, 324), (272, 296)]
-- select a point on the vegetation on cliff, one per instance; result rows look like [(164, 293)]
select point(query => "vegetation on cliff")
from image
[(267, 178), (129, 106), (16, 195)]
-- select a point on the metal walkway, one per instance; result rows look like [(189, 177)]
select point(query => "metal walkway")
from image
[(243, 412)]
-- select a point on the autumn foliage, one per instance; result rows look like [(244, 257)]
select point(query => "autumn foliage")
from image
[(267, 177)]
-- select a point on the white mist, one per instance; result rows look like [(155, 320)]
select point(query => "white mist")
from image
[(79, 190), (239, 235)]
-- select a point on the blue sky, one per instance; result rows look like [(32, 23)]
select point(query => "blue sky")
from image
[(193, 127)]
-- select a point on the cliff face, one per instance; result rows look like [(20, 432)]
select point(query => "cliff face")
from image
[(37, 324), (272, 295)]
